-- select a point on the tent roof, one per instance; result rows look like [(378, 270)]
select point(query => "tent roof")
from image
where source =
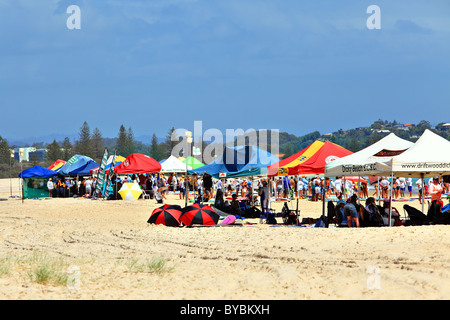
[(57, 165), (117, 160), (316, 163), (172, 164), (138, 163), (37, 172), (193, 162), (239, 161), (430, 156), (282, 167), (371, 160), (78, 165)]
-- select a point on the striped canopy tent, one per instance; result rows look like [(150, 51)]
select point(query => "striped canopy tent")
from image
[(316, 163), (57, 165), (285, 166)]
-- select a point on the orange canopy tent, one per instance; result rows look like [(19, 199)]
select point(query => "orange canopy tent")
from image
[(282, 168)]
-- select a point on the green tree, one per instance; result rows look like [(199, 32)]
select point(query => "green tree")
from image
[(155, 149), (169, 144), (131, 144), (121, 143), (84, 145), (54, 151), (67, 147), (125, 142), (5, 152), (97, 144)]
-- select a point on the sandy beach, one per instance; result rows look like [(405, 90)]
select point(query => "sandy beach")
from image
[(107, 246)]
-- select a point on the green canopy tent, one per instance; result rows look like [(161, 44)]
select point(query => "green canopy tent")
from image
[(193, 162)]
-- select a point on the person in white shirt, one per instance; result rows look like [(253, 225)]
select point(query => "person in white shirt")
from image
[(88, 185), (50, 187), (338, 186), (409, 185), (419, 184), (300, 185), (402, 185), (384, 184)]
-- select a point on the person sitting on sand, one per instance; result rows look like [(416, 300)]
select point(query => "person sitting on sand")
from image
[(351, 210), (341, 217), (235, 208), (371, 215), (395, 216)]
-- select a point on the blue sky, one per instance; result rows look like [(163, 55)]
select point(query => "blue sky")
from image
[(297, 66)]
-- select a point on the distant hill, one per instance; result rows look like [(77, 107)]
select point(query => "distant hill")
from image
[(352, 139)]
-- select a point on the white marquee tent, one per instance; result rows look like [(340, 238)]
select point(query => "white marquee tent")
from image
[(429, 156), (172, 164), (373, 160)]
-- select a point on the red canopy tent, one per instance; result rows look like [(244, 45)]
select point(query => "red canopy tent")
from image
[(316, 163), (138, 163)]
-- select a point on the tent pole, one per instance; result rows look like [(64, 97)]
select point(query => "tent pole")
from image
[(390, 199), (359, 189), (423, 192), (323, 198), (378, 187)]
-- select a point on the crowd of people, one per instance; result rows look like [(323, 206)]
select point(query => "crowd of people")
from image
[(63, 187), (348, 213)]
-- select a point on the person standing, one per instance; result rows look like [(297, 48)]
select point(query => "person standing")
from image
[(409, 183), (435, 190), (50, 187), (384, 184)]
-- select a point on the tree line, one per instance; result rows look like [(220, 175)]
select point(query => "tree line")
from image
[(91, 143)]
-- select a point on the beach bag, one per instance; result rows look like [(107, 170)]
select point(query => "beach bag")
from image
[(271, 219)]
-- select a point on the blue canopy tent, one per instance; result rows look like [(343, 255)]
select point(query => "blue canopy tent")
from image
[(78, 165), (37, 172), (34, 184), (240, 161)]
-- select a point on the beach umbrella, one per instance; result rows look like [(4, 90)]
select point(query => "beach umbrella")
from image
[(130, 191), (167, 215), (199, 214)]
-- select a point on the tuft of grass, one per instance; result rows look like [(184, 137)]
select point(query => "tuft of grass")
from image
[(47, 270), (156, 265), (5, 266)]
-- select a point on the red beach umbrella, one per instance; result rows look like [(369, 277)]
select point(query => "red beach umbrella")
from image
[(199, 214), (168, 215)]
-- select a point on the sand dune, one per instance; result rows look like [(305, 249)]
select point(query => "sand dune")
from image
[(108, 242)]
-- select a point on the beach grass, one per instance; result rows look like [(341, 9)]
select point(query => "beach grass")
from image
[(157, 265), (47, 270)]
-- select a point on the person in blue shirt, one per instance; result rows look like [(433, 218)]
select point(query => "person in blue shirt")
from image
[(342, 218)]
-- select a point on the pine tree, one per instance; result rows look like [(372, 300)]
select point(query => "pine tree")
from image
[(54, 151), (125, 142), (155, 149), (131, 146), (67, 152), (5, 152), (97, 144), (169, 144), (84, 144)]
